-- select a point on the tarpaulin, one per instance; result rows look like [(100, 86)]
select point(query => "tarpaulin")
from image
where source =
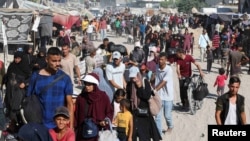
[(17, 23), (65, 20)]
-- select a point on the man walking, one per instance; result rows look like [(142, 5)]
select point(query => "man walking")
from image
[(59, 94), (164, 86), (203, 42), (184, 72), (230, 108)]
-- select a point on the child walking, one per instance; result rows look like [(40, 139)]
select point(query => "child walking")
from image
[(209, 58), (124, 121), (118, 96), (62, 132), (220, 81)]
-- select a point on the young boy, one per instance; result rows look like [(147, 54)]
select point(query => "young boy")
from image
[(209, 58), (124, 121), (62, 132)]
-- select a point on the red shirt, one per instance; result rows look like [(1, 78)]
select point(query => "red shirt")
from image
[(68, 136), (220, 80), (185, 65), (216, 41)]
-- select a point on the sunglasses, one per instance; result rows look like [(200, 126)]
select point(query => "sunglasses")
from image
[(88, 84)]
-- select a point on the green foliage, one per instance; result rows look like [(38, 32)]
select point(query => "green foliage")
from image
[(187, 5), (169, 3)]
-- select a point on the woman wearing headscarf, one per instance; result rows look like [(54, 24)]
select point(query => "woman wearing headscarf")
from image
[(17, 79), (152, 59), (139, 93), (104, 85), (92, 103), (40, 60)]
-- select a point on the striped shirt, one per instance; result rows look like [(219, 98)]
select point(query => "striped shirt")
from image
[(216, 41)]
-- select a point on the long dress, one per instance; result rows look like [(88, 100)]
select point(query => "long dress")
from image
[(144, 126)]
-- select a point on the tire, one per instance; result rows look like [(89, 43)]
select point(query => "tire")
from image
[(191, 101)]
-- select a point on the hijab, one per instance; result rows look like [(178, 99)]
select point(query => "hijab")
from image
[(103, 84)]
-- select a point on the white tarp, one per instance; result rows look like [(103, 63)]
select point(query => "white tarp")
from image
[(31, 5)]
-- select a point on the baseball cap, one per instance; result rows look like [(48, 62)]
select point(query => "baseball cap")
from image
[(62, 110), (133, 71), (116, 55)]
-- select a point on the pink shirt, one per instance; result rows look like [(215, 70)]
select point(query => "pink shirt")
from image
[(103, 24), (220, 80), (68, 136)]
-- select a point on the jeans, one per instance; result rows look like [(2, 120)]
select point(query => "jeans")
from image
[(167, 107), (142, 34), (202, 53), (103, 34)]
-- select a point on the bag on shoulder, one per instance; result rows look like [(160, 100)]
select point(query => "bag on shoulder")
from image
[(201, 91), (89, 128), (142, 112), (155, 102), (32, 109)]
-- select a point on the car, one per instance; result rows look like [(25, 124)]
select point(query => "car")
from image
[(96, 12)]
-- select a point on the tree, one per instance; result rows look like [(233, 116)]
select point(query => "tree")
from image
[(187, 5), (169, 3)]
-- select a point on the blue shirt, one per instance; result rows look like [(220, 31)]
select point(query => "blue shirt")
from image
[(142, 28), (53, 97)]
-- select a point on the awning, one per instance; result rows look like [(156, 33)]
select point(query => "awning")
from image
[(65, 20)]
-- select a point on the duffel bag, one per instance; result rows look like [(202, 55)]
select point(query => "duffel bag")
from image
[(201, 91)]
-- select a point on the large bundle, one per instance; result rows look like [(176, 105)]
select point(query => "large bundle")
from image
[(117, 47)]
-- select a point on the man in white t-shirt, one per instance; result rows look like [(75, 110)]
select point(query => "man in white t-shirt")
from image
[(115, 71), (164, 86)]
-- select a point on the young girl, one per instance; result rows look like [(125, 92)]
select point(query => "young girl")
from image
[(118, 96), (220, 81), (124, 121)]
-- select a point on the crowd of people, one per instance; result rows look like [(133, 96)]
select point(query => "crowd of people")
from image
[(120, 86)]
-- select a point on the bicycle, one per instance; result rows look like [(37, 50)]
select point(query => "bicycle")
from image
[(194, 105)]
